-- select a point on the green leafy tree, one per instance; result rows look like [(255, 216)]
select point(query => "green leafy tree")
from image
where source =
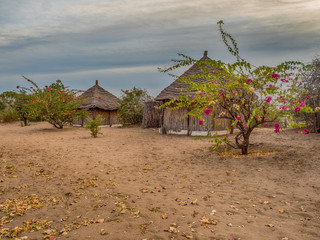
[(247, 95), (54, 103), (131, 106)]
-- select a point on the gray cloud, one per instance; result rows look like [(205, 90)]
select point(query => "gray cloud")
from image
[(80, 40)]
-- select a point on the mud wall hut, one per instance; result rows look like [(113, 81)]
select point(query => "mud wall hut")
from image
[(100, 102), (174, 120)]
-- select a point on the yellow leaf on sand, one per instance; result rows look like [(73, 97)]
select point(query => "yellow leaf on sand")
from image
[(164, 216), (188, 236), (194, 202)]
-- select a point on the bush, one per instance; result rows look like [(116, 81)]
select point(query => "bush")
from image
[(9, 115), (54, 103), (94, 126), (131, 106)]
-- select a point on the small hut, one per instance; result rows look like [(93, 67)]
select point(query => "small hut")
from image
[(172, 120), (100, 102)]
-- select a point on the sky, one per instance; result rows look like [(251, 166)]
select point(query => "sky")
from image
[(122, 43)]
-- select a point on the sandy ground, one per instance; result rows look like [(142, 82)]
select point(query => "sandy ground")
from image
[(132, 183)]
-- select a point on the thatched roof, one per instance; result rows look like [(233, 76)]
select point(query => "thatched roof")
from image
[(98, 97), (179, 88)]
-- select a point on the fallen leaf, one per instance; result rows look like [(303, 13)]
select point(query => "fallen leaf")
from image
[(205, 221), (144, 190), (174, 230), (188, 236), (103, 232), (213, 212), (194, 202), (164, 216)]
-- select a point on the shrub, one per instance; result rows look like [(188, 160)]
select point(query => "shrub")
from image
[(94, 126), (131, 106), (9, 115)]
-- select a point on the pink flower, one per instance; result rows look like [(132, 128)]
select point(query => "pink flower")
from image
[(275, 75), (266, 125), (207, 111), (271, 86), (18, 86), (249, 80), (306, 131), (277, 127), (284, 80), (200, 122), (268, 99), (213, 82), (227, 135), (297, 109), (302, 103), (238, 118)]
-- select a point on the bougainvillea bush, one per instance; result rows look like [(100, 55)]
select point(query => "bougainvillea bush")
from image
[(249, 96), (53, 103)]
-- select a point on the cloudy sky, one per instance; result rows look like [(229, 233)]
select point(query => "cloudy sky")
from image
[(123, 42)]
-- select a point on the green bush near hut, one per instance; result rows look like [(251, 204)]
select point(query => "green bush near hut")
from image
[(94, 126), (131, 106)]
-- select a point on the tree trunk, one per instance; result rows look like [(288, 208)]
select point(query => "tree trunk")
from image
[(244, 150), (59, 126), (242, 141)]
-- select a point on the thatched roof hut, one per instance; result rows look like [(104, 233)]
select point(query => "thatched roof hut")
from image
[(173, 120), (100, 102), (179, 88), (98, 97)]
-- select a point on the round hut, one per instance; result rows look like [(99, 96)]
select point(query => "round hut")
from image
[(100, 102), (173, 120)]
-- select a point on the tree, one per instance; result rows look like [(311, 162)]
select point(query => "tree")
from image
[(54, 103), (247, 95), (131, 105)]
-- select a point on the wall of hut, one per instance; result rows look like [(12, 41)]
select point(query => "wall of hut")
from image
[(109, 117), (175, 120), (152, 115)]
